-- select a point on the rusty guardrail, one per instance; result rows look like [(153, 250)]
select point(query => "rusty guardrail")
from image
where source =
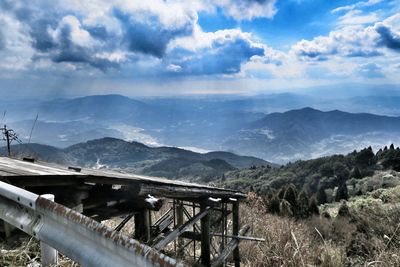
[(73, 234)]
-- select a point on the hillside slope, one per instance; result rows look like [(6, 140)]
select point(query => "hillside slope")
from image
[(136, 157)]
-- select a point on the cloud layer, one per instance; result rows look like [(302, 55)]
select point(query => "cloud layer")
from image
[(122, 40)]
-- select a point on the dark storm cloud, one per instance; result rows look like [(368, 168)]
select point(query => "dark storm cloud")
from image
[(387, 37), (68, 51), (149, 37)]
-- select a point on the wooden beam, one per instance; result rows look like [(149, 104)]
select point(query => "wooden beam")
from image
[(180, 229), (179, 221), (205, 238), (191, 235), (142, 226), (235, 231), (186, 192), (232, 246), (123, 223), (240, 237)]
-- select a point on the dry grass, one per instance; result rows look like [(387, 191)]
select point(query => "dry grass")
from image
[(368, 236), (287, 242), (26, 252)]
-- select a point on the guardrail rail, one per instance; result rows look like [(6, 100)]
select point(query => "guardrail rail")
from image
[(80, 238)]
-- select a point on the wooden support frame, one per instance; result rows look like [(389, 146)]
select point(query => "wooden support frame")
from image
[(232, 246), (180, 229)]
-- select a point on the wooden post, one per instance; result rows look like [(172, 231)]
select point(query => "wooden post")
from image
[(142, 226), (235, 231), (179, 221), (205, 237), (8, 140)]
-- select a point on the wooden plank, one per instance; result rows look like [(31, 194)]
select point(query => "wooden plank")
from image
[(232, 245), (180, 229), (185, 192)]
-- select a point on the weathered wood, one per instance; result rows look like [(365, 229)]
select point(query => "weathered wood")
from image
[(123, 223), (22, 174), (186, 192), (44, 180), (205, 238), (240, 237), (235, 231), (162, 223), (191, 235), (180, 229), (133, 204), (232, 246), (142, 226), (179, 221)]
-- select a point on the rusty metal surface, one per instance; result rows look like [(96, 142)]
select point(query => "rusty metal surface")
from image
[(79, 237)]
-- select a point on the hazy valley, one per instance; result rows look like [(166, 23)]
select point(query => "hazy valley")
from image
[(277, 128)]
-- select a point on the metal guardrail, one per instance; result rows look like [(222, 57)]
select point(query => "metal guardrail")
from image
[(73, 234)]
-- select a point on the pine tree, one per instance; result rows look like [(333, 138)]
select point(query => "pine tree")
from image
[(321, 196), (344, 210), (313, 207), (341, 192), (273, 204), (303, 204), (356, 173), (291, 196)]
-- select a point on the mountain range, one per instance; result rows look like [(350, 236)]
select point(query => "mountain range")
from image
[(278, 127), (112, 153)]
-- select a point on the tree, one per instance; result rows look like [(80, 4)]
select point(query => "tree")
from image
[(321, 196), (273, 204), (356, 173), (313, 207), (291, 196), (341, 171), (341, 193), (343, 210), (303, 204), (365, 157)]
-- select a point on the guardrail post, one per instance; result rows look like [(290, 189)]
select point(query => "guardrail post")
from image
[(49, 255), (7, 229)]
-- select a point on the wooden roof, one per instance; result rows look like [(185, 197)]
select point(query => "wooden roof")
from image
[(23, 173)]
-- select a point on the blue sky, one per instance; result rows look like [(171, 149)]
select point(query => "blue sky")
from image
[(66, 48)]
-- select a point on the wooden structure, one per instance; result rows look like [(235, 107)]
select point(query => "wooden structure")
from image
[(200, 226)]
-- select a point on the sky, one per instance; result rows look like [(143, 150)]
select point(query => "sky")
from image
[(54, 48)]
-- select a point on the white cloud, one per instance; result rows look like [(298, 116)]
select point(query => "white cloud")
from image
[(247, 9), (356, 5), (356, 17)]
